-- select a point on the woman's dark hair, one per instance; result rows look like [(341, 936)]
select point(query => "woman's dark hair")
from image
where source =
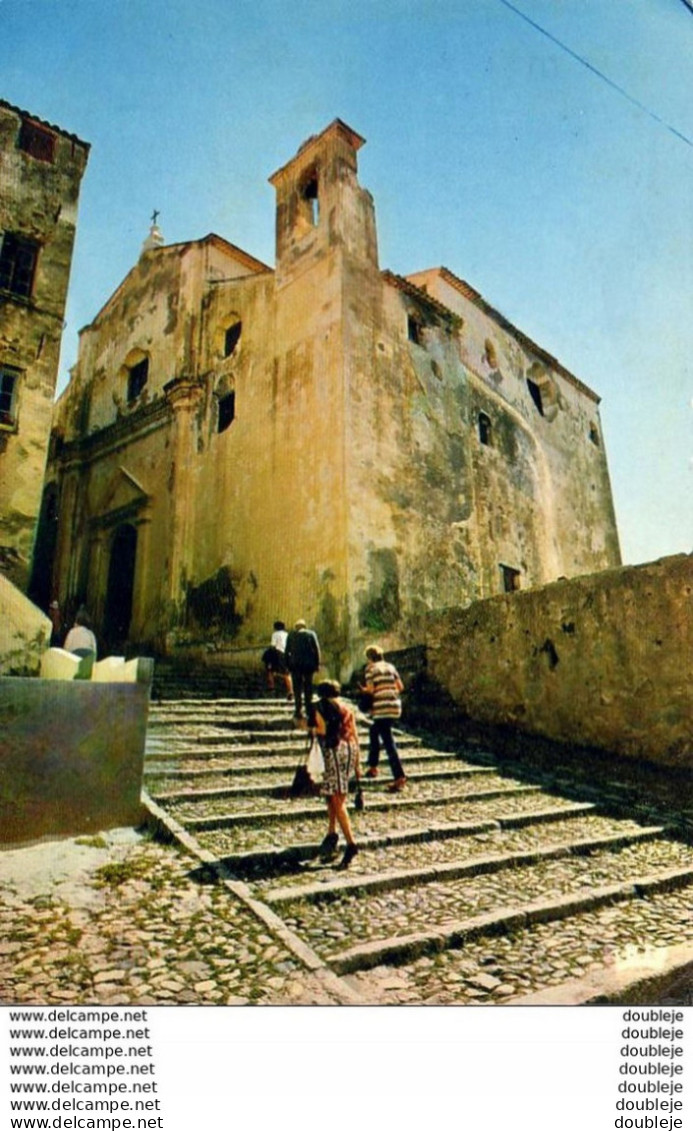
[(328, 689), (279, 625), (82, 618)]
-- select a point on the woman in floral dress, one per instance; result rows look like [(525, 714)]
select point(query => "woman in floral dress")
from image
[(336, 728)]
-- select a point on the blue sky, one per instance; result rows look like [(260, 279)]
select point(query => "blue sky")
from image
[(490, 149)]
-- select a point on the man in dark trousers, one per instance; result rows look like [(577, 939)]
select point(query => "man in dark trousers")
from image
[(303, 658)]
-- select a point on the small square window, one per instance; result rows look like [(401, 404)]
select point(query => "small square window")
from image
[(227, 411), (18, 258), (37, 141), (9, 386), (511, 579)]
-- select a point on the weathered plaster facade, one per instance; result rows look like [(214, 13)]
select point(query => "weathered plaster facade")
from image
[(25, 632), (41, 168), (321, 439), (604, 660)]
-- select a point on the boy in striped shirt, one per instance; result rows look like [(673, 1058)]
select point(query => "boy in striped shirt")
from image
[(383, 684)]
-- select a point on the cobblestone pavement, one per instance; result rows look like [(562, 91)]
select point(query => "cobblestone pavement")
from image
[(117, 919), (476, 885)]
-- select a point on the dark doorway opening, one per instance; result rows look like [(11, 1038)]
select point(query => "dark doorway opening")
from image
[(121, 584), (41, 584)]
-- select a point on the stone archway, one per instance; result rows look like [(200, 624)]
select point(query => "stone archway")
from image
[(120, 587)]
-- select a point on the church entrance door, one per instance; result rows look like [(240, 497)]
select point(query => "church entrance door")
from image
[(120, 588)]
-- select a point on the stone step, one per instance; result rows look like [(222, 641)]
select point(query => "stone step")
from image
[(456, 933), (253, 846), (184, 682), (230, 700), (276, 844), (435, 840), (286, 809), (372, 882), (351, 919), (276, 785), (226, 718), (189, 738), (499, 968), (469, 871), (265, 762)]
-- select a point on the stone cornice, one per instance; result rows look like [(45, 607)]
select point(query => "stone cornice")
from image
[(134, 426), (337, 127)]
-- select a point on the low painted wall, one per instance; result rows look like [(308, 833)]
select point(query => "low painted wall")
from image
[(72, 756), (604, 660)]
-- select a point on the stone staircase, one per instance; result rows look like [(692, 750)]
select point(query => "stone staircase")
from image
[(478, 883), (177, 680)]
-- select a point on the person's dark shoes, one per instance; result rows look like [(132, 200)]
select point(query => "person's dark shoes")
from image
[(349, 854), (328, 848), (397, 786), (372, 772)]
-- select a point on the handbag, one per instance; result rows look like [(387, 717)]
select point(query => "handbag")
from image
[(315, 762), (304, 784)]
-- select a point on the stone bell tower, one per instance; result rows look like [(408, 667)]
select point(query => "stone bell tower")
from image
[(326, 259), (321, 208)]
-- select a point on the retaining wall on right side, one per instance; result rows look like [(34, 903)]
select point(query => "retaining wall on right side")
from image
[(603, 660)]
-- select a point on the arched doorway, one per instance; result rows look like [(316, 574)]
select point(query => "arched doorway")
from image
[(121, 583)]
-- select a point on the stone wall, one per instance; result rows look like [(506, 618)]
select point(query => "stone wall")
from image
[(604, 660), (73, 753), (39, 189)]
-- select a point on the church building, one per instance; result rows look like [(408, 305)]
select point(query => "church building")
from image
[(241, 443)]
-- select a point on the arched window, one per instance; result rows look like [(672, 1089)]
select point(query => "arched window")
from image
[(535, 394), (415, 330), (309, 194), (232, 337), (226, 411), (484, 423), (137, 378)]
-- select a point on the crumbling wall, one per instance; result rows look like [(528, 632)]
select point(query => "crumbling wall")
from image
[(25, 632), (604, 660)]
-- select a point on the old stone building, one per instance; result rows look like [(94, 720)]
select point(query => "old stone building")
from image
[(322, 439), (41, 169)]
